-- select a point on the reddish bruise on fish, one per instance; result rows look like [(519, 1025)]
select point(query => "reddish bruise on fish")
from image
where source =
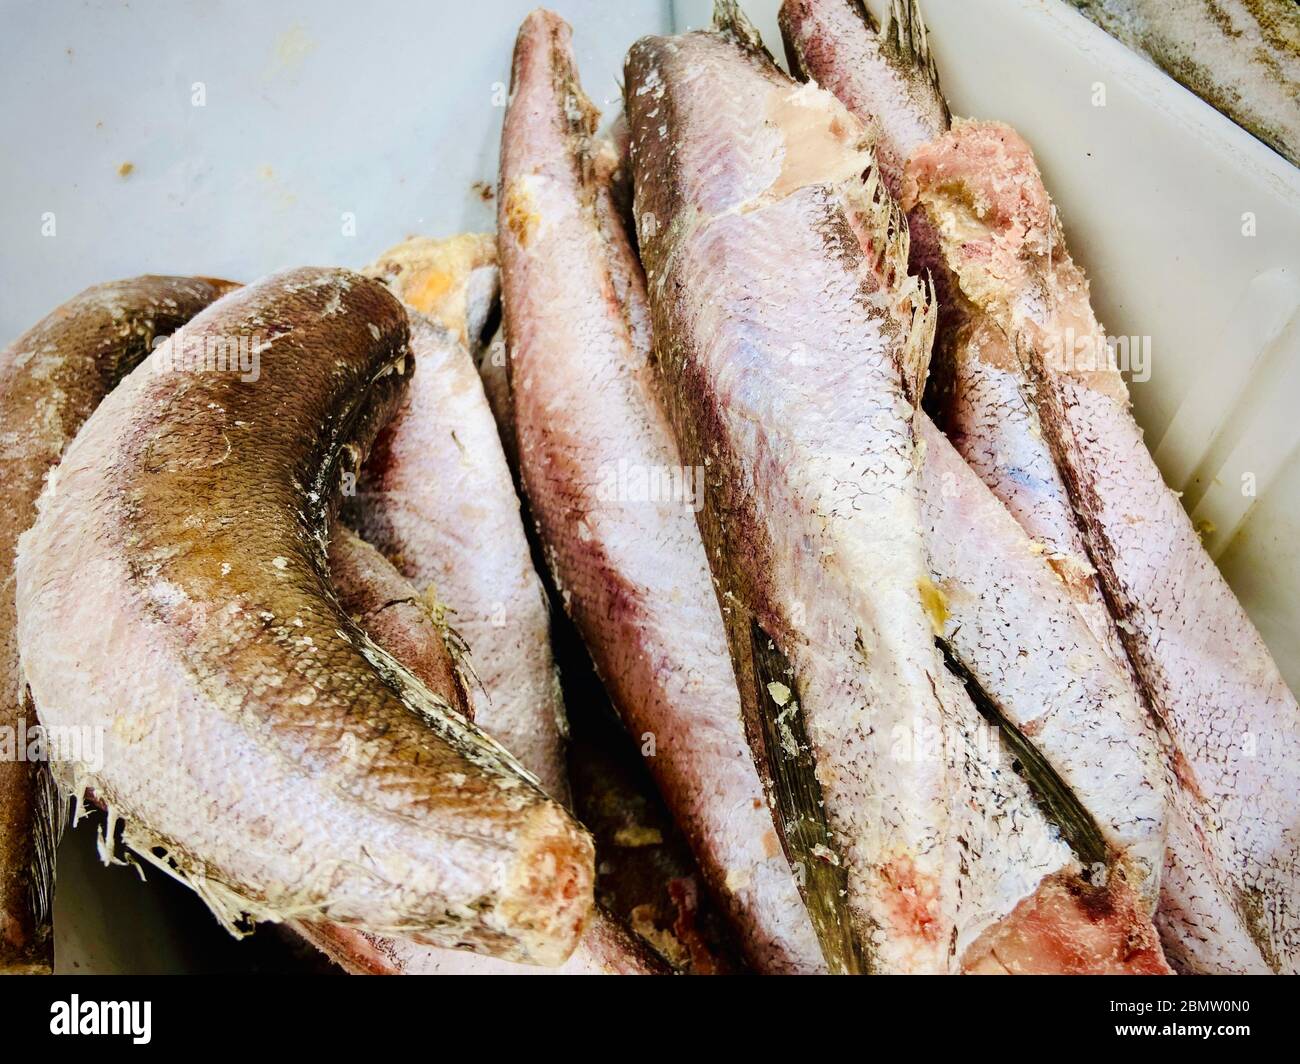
[(913, 900), (1070, 928)]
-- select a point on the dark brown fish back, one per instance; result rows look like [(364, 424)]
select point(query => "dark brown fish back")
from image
[(251, 471), (51, 380)]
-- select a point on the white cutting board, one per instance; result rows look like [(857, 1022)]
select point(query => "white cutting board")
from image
[(386, 110)]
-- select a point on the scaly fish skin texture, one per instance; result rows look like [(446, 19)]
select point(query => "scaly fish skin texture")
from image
[(1014, 626), (391, 612), (593, 445), (788, 369), (284, 765), (1233, 726), (437, 499), (51, 379), (1005, 615)]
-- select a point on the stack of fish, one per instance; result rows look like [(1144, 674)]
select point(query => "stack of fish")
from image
[(925, 661)]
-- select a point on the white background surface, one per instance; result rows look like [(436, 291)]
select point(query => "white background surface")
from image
[(380, 107), (386, 109)]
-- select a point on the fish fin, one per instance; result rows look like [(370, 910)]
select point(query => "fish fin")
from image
[(800, 812), (47, 828), (1053, 795), (884, 235), (731, 21), (907, 44)]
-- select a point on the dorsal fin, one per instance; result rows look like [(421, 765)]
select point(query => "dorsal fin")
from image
[(907, 43), (731, 21)]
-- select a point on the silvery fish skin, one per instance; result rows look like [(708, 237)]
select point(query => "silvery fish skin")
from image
[(438, 500), (889, 81), (258, 745), (391, 612), (1233, 727), (1010, 624), (627, 560), (51, 379), (791, 374), (1240, 56), (982, 399)]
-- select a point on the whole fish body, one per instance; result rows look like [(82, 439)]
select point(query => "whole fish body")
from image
[(789, 368), (438, 500), (258, 745), (51, 379), (987, 405), (593, 441)]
